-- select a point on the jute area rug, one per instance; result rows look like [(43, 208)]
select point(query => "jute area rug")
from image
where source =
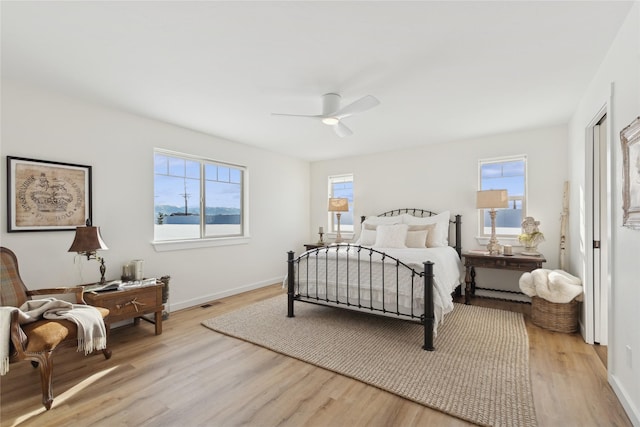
[(479, 371)]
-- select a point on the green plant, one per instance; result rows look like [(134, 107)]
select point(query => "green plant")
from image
[(529, 239)]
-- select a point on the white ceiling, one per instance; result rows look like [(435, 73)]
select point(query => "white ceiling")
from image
[(442, 70)]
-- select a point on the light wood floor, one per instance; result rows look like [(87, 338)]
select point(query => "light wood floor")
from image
[(192, 376)]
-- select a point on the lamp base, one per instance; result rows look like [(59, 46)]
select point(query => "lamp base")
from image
[(494, 248)]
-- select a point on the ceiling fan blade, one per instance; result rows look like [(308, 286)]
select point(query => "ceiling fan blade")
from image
[(315, 116), (365, 103), (341, 130)]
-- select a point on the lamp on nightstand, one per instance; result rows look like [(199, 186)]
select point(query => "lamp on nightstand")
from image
[(492, 199), (86, 242), (338, 205)]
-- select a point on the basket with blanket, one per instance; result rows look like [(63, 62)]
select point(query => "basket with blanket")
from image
[(555, 298)]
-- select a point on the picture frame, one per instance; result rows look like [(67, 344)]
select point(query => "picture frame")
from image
[(630, 139), (47, 196)]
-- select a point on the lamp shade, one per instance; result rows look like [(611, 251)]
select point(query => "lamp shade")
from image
[(492, 199), (338, 205), (88, 239)]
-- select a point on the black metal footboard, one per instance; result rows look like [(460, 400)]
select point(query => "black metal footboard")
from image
[(348, 276)]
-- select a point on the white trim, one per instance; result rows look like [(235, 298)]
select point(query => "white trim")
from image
[(176, 245), (627, 402), (196, 157), (218, 295)]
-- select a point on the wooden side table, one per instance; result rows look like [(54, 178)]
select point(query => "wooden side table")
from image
[(516, 262), (130, 303), (309, 246)]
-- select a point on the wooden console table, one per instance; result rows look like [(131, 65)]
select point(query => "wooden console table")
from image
[(131, 303), (516, 262)]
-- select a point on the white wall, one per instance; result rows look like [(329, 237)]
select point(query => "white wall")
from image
[(445, 176), (119, 146), (622, 68)]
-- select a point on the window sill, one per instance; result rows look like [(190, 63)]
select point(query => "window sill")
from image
[(503, 240), (177, 245)]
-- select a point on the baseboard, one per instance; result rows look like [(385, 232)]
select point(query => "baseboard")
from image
[(632, 411), (174, 306)]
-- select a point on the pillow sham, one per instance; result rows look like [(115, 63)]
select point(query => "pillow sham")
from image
[(416, 239), (377, 220), (418, 235), (391, 236), (440, 234)]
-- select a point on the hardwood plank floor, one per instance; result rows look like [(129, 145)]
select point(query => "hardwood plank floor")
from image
[(192, 376)]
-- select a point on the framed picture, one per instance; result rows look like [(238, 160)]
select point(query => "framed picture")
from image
[(630, 139), (47, 196)]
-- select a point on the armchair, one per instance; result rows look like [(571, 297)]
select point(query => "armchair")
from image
[(36, 341)]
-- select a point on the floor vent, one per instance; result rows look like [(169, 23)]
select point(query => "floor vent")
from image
[(209, 304)]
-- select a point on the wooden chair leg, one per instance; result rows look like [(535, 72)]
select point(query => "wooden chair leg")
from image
[(46, 376), (107, 353)]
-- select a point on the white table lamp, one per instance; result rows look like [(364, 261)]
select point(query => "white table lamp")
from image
[(492, 199)]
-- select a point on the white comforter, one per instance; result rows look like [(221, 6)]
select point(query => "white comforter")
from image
[(327, 274)]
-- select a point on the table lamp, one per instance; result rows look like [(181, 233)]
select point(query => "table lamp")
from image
[(86, 242), (492, 199), (338, 205)]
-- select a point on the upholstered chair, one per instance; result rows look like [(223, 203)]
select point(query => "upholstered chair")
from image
[(37, 341)]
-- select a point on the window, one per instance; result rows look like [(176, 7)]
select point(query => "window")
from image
[(196, 198), (341, 186), (510, 174)]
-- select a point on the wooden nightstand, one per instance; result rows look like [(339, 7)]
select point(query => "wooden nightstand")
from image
[(309, 246), (130, 303), (516, 262)]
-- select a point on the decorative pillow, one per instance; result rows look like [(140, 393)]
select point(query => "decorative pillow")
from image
[(368, 229), (391, 236), (417, 235), (440, 234)]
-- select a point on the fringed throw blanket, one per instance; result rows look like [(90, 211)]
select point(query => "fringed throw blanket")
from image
[(92, 334), (5, 326)]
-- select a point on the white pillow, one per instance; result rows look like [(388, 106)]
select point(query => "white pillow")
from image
[(417, 238), (391, 236), (377, 220), (440, 234), (367, 236)]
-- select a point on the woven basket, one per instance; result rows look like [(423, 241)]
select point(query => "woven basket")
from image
[(555, 316)]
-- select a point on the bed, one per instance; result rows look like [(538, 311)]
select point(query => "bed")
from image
[(405, 264)]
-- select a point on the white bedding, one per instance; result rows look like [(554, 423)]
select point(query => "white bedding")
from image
[(328, 277)]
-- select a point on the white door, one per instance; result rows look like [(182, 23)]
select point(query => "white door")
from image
[(597, 228)]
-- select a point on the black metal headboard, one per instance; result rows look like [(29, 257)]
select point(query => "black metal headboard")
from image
[(422, 213)]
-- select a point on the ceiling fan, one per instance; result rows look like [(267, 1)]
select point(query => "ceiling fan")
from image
[(332, 114)]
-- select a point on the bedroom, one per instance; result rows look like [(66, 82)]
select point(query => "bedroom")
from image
[(60, 125)]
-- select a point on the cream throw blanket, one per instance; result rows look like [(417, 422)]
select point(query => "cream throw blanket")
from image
[(552, 285), (92, 334)]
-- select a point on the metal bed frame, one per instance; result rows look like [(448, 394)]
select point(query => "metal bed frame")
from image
[(427, 319)]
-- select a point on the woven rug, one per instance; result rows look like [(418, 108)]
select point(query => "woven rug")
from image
[(479, 371)]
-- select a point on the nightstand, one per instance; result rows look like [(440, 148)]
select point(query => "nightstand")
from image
[(516, 262), (309, 246), (131, 303)]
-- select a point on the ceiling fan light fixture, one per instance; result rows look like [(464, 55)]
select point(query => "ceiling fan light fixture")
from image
[(330, 121)]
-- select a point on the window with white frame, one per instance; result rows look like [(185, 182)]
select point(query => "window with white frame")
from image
[(197, 198), (510, 174), (341, 186)]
